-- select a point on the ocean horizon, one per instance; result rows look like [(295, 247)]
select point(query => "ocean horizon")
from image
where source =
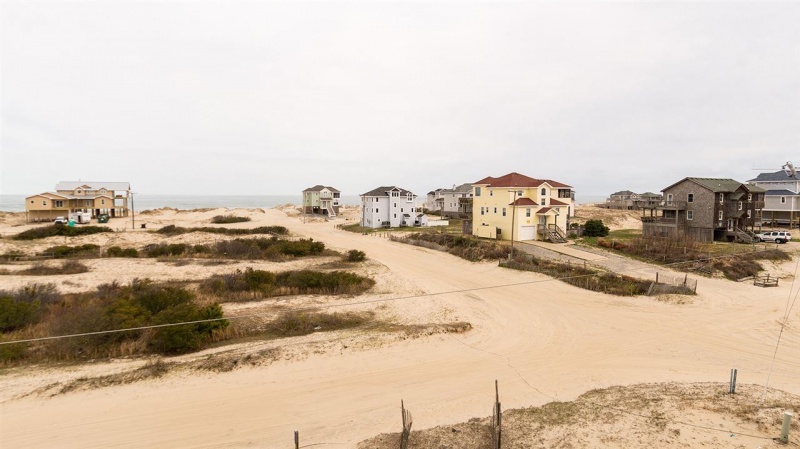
[(141, 202)]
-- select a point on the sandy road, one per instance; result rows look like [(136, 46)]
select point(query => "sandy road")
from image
[(541, 340)]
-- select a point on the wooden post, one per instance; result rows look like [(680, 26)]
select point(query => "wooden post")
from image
[(787, 421), (500, 419), (296, 440), (656, 277), (732, 389)]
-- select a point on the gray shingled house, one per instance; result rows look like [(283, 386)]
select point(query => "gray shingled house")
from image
[(706, 209)]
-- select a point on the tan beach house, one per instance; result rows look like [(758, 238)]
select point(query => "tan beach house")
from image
[(110, 198), (518, 207)]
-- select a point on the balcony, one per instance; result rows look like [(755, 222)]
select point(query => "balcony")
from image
[(672, 205), (661, 221)]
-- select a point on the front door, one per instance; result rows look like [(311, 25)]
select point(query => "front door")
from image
[(731, 224)]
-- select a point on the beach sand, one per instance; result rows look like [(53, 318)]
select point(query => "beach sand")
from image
[(541, 339)]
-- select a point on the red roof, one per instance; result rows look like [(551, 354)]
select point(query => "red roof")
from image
[(524, 202), (543, 210), (558, 203), (515, 179)]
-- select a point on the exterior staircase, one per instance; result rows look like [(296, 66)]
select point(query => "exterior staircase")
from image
[(331, 212), (555, 234), (743, 236)]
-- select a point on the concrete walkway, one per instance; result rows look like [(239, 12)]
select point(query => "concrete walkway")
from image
[(566, 249)]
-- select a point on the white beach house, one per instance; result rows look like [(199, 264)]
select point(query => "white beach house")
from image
[(390, 206)]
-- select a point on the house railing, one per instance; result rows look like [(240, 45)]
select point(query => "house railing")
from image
[(663, 221), (672, 204)]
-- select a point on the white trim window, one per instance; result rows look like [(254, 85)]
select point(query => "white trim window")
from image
[(690, 215), (740, 205), (669, 198), (477, 191), (690, 198), (528, 212), (721, 197), (749, 197), (409, 197), (783, 200), (720, 215)]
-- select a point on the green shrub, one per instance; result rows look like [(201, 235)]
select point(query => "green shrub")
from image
[(226, 219), (302, 247), (15, 314), (62, 251), (287, 282), (595, 228), (172, 230), (116, 251), (68, 267), (60, 230), (187, 337), (355, 255), (291, 324)]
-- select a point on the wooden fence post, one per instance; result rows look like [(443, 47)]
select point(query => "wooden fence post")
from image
[(296, 440)]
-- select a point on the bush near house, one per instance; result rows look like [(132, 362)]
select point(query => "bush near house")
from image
[(60, 230), (227, 219), (595, 228), (355, 255), (62, 251), (470, 248), (173, 230), (302, 282)]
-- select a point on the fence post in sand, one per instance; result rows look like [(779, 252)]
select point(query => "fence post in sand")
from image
[(787, 421), (656, 277), (296, 440), (732, 389)]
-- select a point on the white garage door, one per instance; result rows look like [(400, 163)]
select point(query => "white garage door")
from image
[(527, 232)]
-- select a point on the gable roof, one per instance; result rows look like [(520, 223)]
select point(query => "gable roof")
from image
[(554, 202), (623, 192), (777, 176), (782, 192), (713, 184), (524, 202), (382, 191), (113, 186), (319, 188), (515, 179)]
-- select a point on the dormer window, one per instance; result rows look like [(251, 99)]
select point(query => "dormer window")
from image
[(544, 191), (409, 197)]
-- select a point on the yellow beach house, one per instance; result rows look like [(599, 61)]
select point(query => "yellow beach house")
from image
[(518, 207), (110, 198)]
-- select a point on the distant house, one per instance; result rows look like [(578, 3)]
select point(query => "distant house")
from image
[(97, 198), (705, 209), (782, 197), (321, 200), (519, 207), (452, 202), (390, 206), (625, 199)]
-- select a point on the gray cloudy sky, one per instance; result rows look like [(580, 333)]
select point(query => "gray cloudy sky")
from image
[(264, 98)]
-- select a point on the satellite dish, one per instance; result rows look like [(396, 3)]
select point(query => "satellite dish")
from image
[(789, 169)]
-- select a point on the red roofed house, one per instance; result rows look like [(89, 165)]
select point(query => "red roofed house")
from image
[(518, 207)]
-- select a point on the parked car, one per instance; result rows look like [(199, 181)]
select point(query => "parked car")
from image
[(774, 236), (60, 220)]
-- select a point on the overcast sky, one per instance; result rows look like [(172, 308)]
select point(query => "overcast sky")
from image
[(262, 98)]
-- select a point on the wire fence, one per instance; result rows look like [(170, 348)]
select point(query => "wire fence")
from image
[(681, 285)]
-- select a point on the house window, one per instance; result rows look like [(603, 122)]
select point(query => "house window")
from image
[(409, 197), (401, 209), (783, 200), (689, 214), (59, 203), (395, 215), (477, 191), (528, 212), (481, 211), (690, 198), (491, 193), (495, 210), (519, 192), (749, 197), (44, 203), (669, 198), (504, 211), (748, 213), (740, 205), (102, 201), (395, 193), (395, 205), (376, 210), (544, 191), (721, 198), (32, 201), (720, 215)]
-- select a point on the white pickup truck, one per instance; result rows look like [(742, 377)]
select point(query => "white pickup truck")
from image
[(774, 236)]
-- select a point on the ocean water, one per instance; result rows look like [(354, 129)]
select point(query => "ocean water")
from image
[(16, 203)]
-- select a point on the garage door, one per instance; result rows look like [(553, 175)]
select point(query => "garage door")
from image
[(527, 232)]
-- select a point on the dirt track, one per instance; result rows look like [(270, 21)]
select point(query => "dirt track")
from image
[(541, 339)]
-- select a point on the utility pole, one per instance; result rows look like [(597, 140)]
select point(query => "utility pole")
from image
[(133, 213), (513, 216)]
